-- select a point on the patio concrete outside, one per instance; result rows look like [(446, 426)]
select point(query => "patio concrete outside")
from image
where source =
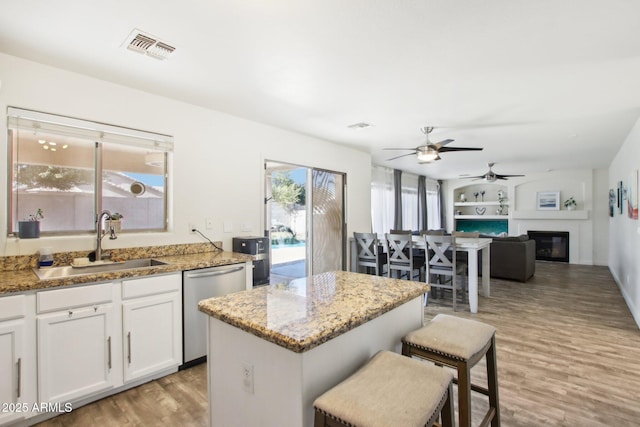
[(287, 263), (284, 254)]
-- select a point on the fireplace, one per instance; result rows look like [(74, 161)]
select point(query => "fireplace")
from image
[(551, 245)]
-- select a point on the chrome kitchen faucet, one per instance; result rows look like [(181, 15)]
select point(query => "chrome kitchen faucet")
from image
[(100, 233)]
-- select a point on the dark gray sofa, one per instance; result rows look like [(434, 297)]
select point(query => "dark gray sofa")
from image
[(513, 257)]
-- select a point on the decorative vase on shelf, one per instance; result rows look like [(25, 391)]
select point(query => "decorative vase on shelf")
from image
[(463, 198)]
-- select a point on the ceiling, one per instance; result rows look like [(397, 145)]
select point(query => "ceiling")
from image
[(541, 85)]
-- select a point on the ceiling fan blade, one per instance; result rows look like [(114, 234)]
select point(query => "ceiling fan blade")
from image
[(402, 155), (445, 149), (412, 149), (475, 177), (442, 143), (500, 176)]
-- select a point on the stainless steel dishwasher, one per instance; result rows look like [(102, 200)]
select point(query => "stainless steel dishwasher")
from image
[(196, 286)]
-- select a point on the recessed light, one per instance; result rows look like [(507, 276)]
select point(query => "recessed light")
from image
[(46, 147), (65, 146), (52, 143), (41, 141)]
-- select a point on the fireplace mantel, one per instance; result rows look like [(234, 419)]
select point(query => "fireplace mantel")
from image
[(564, 214)]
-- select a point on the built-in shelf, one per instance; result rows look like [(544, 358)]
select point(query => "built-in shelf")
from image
[(505, 217), (563, 214), (492, 203)]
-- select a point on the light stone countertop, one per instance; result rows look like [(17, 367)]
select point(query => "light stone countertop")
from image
[(307, 312), (23, 280)]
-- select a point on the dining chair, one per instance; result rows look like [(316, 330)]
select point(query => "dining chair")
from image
[(438, 232), (418, 253), (369, 254), (392, 231), (442, 264), (400, 256)]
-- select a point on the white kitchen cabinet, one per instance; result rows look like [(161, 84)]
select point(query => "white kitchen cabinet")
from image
[(75, 329), (11, 358), (16, 367), (152, 325)]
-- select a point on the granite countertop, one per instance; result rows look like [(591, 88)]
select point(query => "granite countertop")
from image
[(305, 313), (24, 279)]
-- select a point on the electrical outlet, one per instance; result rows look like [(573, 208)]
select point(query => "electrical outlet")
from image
[(247, 377), (208, 223), (192, 226)]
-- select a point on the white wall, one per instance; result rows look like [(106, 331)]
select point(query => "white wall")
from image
[(217, 165), (588, 222), (624, 239)]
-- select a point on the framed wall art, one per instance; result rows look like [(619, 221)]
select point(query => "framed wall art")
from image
[(548, 201), (632, 195)]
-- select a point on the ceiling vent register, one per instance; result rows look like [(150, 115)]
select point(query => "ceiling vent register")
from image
[(147, 44)]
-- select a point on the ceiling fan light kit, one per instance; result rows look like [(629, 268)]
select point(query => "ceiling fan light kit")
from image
[(430, 152), (426, 155), (491, 176)]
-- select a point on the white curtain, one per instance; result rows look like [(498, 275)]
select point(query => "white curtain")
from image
[(433, 205), (410, 202), (381, 199)]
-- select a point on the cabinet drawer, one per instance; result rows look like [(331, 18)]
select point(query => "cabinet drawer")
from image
[(12, 307), (61, 299), (151, 285)]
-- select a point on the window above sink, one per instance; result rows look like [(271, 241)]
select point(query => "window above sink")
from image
[(72, 168)]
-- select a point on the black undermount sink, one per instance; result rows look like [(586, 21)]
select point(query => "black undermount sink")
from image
[(95, 267)]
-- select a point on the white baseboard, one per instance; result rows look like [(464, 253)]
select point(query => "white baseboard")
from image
[(632, 308)]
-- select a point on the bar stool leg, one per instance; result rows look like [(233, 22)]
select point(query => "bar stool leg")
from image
[(464, 394), (447, 415), (492, 375)]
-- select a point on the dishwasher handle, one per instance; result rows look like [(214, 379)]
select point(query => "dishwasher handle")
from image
[(214, 273)]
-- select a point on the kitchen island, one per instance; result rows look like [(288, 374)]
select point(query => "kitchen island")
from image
[(273, 350)]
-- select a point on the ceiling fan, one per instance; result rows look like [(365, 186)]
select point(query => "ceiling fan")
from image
[(491, 176), (430, 152)]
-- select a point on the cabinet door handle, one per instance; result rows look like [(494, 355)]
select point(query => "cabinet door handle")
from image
[(129, 347), (109, 346), (19, 377)]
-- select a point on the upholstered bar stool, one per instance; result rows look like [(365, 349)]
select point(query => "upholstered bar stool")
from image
[(460, 344), (389, 390)]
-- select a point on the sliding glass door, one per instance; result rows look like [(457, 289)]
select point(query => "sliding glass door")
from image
[(327, 215), (304, 213)]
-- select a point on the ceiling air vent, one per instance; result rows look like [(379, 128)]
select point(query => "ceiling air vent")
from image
[(147, 44)]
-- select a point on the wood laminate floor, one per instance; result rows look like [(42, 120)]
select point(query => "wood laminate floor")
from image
[(568, 355)]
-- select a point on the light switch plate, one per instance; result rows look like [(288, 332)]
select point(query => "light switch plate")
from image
[(227, 227)]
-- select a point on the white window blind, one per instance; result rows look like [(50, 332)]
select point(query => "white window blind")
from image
[(19, 118)]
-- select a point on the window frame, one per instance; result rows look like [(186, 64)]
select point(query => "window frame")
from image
[(19, 119)]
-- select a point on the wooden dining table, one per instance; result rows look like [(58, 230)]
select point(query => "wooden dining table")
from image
[(472, 246)]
